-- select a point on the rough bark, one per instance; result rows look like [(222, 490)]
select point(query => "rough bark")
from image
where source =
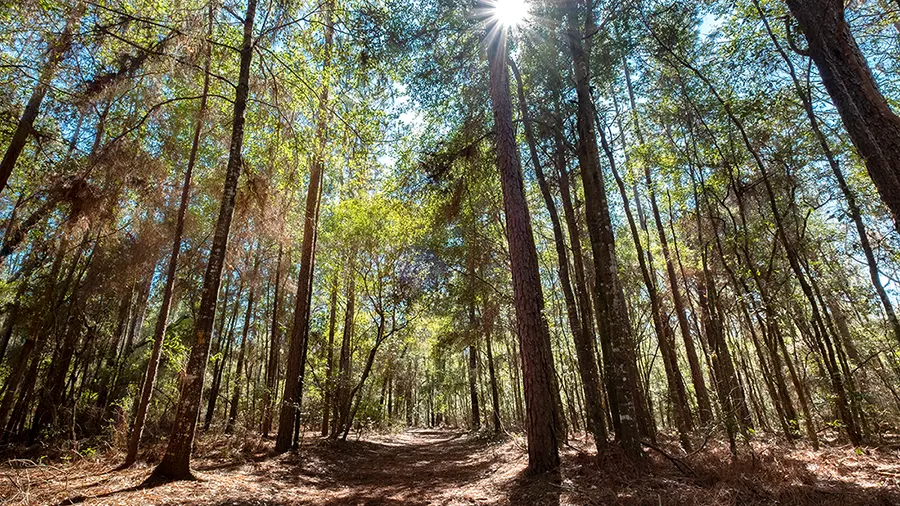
[(873, 127), (853, 210), (584, 347), (162, 318), (293, 385), (176, 462), (612, 312), (534, 337), (675, 382)]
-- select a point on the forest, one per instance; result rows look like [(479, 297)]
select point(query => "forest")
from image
[(385, 252)]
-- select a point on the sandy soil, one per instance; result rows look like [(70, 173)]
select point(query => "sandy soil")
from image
[(438, 467)]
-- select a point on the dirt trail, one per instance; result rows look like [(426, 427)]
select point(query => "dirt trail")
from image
[(417, 467), (439, 467)]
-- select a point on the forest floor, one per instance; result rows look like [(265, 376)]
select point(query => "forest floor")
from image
[(438, 467)]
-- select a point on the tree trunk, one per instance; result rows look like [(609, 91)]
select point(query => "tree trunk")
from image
[(612, 312), (329, 360), (293, 385), (342, 390), (162, 318), (872, 125), (473, 386), (584, 347), (490, 312), (534, 337), (852, 207), (274, 352), (176, 462), (664, 334), (245, 334), (226, 336), (57, 50), (821, 334), (37, 338)]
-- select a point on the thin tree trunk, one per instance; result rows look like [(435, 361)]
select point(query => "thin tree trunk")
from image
[(221, 362), (293, 385), (274, 351), (55, 54), (245, 334), (488, 322), (51, 398), (473, 386), (342, 391), (821, 334), (329, 360), (612, 312), (36, 341), (162, 318), (176, 462)]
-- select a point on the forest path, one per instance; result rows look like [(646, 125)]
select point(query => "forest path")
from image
[(442, 467), (414, 467)]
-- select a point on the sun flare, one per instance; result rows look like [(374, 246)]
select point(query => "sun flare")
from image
[(510, 13)]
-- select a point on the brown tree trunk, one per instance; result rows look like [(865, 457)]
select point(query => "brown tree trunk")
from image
[(245, 333), (225, 339), (54, 321), (821, 333), (342, 391), (329, 359), (664, 333), (473, 386), (612, 312), (274, 351), (514, 362), (731, 395), (58, 48), (534, 337), (162, 318), (176, 462), (51, 394), (584, 346), (872, 125), (703, 403), (852, 207), (705, 408), (490, 312), (293, 385)]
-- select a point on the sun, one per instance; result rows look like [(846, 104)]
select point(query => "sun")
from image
[(509, 13)]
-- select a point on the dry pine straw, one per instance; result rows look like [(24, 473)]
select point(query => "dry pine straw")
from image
[(422, 467)]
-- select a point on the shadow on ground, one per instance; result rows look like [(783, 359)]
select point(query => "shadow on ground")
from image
[(450, 468)]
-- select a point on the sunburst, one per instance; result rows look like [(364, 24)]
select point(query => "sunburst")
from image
[(509, 13)]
